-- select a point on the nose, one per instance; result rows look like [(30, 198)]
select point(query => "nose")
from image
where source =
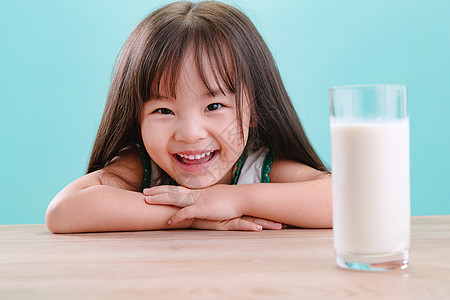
[(190, 130)]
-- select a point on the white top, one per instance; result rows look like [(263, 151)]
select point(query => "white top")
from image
[(251, 170)]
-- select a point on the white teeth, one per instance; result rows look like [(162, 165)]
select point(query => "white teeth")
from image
[(197, 156)]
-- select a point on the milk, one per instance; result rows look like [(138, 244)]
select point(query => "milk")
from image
[(371, 193)]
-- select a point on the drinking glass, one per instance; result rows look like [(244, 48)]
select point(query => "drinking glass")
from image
[(370, 176)]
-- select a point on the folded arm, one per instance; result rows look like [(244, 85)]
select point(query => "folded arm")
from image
[(301, 204), (97, 207), (105, 200), (297, 195)]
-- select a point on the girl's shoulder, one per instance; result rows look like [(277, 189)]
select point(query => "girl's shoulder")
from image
[(125, 170), (284, 170)]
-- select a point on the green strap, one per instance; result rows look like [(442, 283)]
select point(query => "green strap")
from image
[(241, 161), (146, 164), (265, 170)]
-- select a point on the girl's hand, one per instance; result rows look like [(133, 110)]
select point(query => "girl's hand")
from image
[(242, 223), (216, 203)]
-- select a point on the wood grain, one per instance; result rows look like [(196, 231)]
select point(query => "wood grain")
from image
[(194, 264)]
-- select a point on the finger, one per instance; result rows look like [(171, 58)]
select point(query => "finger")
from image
[(179, 200), (175, 199), (172, 195), (163, 199), (183, 214), (160, 189), (267, 224), (234, 224), (155, 190), (206, 224), (242, 224)]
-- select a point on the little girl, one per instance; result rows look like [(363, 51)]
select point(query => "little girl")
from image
[(196, 124)]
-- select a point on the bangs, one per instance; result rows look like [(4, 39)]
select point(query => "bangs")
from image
[(212, 55)]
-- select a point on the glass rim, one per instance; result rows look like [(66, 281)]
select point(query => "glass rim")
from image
[(368, 86)]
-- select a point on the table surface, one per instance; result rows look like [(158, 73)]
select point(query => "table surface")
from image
[(195, 264)]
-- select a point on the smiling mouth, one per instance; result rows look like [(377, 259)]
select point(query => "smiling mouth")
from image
[(196, 159)]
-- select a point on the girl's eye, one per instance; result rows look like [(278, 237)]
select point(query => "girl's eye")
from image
[(164, 111), (213, 106)]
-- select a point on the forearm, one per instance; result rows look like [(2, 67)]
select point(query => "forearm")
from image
[(104, 208), (303, 204)]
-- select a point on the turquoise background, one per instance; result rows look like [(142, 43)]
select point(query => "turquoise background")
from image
[(56, 59)]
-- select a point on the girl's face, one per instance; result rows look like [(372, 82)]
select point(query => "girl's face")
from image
[(195, 138)]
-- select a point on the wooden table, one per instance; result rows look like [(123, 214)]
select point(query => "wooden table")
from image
[(194, 264)]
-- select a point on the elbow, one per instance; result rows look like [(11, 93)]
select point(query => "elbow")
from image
[(55, 218), (52, 221)]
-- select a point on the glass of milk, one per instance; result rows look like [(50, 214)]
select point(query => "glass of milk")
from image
[(370, 173)]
